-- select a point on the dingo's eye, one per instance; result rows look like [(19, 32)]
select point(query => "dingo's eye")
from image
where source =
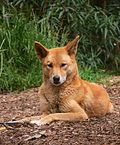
[(63, 65), (49, 65)]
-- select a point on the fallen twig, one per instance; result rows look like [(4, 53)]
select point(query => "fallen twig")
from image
[(36, 136), (33, 137), (13, 125)]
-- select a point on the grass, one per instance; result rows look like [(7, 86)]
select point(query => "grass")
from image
[(94, 75)]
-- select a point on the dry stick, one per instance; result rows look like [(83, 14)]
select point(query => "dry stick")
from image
[(13, 124), (5, 127)]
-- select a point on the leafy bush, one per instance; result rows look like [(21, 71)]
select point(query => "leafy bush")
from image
[(97, 22), (99, 30)]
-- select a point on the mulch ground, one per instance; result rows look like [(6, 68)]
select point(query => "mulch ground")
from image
[(102, 131)]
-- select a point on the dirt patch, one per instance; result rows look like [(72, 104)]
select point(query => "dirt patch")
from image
[(103, 131)]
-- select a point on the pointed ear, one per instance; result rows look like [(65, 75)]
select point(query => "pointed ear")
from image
[(71, 47), (42, 51)]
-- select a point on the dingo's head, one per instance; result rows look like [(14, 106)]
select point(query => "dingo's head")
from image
[(58, 63)]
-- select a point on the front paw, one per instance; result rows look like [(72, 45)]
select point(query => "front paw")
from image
[(44, 120), (37, 122)]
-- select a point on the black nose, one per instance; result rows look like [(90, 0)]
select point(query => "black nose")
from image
[(56, 79)]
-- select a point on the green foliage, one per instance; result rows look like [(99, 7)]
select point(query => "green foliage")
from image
[(53, 23), (97, 22), (99, 30), (94, 75), (19, 65)]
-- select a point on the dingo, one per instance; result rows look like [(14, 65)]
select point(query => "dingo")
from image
[(63, 94)]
